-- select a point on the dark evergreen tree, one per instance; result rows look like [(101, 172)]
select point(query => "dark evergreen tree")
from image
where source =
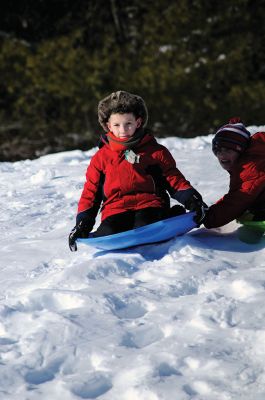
[(195, 62)]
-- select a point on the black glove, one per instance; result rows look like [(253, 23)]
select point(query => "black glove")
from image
[(81, 230), (201, 212), (176, 210), (192, 200), (195, 203)]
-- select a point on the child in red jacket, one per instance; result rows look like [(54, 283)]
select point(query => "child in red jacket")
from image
[(131, 175), (243, 156)]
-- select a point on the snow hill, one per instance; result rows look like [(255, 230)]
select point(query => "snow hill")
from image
[(182, 320)]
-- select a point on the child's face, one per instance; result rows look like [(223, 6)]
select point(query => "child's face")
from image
[(123, 126), (227, 158)]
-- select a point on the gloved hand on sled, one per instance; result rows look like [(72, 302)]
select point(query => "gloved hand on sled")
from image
[(201, 212), (193, 201), (81, 230)]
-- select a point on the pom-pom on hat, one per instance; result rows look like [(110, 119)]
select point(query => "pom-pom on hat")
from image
[(233, 136), (121, 102)]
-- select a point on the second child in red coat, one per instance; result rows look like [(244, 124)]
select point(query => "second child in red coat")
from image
[(131, 176), (243, 157)]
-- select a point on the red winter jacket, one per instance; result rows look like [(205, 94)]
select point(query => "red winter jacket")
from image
[(129, 186), (247, 186)]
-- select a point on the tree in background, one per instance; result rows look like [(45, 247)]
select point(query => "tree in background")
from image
[(195, 62)]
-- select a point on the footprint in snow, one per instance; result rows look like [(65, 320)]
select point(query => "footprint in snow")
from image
[(93, 387), (141, 337), (125, 309), (5, 341), (42, 375), (183, 289), (164, 370)]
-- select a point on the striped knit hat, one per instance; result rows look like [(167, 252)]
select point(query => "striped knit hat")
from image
[(233, 136)]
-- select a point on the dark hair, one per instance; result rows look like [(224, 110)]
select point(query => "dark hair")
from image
[(121, 102)]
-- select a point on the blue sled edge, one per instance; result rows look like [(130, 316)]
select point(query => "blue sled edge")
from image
[(153, 233)]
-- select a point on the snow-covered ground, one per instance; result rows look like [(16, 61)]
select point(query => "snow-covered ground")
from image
[(180, 320)]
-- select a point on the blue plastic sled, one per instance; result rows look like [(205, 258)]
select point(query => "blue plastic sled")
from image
[(152, 233)]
